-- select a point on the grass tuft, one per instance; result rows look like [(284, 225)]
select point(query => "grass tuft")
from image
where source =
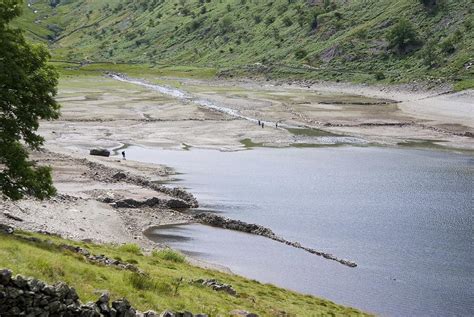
[(131, 248), (169, 255)]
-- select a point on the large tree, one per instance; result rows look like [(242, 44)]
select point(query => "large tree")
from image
[(27, 90)]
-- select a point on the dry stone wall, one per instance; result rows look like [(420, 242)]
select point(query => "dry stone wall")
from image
[(21, 296)]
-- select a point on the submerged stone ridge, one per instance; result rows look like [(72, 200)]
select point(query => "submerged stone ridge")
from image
[(237, 225)]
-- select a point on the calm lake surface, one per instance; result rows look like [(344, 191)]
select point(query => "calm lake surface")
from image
[(405, 216)]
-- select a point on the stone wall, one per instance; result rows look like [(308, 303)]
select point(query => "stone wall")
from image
[(21, 296)]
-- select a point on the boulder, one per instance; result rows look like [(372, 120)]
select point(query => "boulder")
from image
[(119, 176), (177, 204), (5, 276), (6, 229), (100, 152), (167, 313)]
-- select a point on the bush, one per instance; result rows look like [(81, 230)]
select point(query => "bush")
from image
[(301, 53), (379, 76), (226, 24), (448, 46), (269, 20), (402, 35), (430, 54)]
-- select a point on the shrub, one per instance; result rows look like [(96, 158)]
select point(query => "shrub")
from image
[(430, 54), (449, 44), (269, 20), (379, 76), (301, 53), (402, 35), (226, 24)]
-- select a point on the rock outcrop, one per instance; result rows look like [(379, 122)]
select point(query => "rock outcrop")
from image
[(173, 203), (217, 286), (100, 152), (6, 229), (183, 198)]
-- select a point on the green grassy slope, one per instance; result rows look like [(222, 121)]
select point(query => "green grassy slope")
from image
[(337, 39), (168, 284)]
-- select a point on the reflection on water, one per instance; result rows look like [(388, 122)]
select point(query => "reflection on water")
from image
[(405, 216)]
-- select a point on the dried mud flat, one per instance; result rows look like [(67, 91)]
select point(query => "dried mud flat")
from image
[(100, 111)]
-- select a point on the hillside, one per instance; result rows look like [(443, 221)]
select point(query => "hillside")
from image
[(342, 39), (160, 280)]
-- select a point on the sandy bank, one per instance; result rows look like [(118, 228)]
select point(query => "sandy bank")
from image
[(83, 209)]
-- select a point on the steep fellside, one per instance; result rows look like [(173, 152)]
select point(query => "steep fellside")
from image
[(360, 40)]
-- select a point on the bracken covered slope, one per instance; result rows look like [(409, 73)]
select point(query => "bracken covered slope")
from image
[(342, 39)]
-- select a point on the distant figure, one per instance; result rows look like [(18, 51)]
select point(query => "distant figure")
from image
[(123, 155), (276, 125), (259, 122), (263, 124)]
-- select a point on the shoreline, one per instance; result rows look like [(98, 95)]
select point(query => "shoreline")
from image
[(131, 203)]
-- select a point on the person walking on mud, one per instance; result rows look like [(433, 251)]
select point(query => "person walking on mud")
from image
[(123, 155), (259, 123), (263, 124)]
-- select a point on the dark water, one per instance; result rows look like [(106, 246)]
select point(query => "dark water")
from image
[(405, 216)]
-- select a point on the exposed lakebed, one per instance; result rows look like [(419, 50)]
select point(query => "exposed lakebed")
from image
[(405, 216)]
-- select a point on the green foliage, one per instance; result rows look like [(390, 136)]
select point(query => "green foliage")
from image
[(301, 53), (169, 255), (141, 282), (28, 86), (379, 76), (131, 248), (402, 35), (430, 54), (226, 24), (263, 31), (449, 44)]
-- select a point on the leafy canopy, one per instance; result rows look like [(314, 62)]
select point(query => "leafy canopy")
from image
[(27, 90), (402, 35)]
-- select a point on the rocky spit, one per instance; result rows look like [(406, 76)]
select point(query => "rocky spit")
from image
[(183, 199), (237, 225)]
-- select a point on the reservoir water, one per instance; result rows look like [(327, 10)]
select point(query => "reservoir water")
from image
[(404, 216)]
